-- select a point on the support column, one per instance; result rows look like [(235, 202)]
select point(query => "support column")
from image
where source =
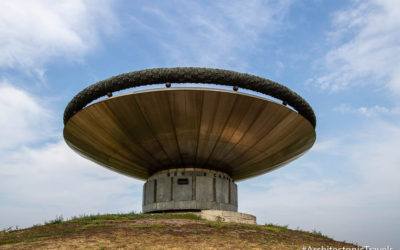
[(189, 189)]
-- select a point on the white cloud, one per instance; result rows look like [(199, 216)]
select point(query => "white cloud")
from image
[(365, 44), (40, 177), (377, 160), (374, 111), (22, 118), (53, 180), (213, 34), (327, 146), (34, 32), (355, 196), (41, 180)]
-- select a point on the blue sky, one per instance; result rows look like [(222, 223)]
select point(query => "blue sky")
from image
[(341, 56)]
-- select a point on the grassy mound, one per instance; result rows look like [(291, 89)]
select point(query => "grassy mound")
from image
[(159, 231)]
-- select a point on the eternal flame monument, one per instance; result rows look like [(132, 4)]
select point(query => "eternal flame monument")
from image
[(190, 144)]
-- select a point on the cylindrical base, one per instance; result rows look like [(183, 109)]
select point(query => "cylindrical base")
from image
[(189, 189)]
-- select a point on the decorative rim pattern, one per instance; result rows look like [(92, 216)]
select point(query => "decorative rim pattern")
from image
[(189, 75)]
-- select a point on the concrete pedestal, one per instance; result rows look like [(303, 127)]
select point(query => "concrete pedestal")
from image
[(189, 189), (227, 216)]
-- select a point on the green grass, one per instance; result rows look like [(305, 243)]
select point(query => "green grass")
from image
[(7, 230), (130, 216), (60, 227), (280, 229), (285, 229), (58, 220), (89, 226), (217, 224), (319, 234), (267, 227), (275, 228)]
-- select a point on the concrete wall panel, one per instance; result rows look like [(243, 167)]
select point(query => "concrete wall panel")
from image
[(204, 188), (234, 195), (182, 192), (222, 190), (149, 190), (163, 189)]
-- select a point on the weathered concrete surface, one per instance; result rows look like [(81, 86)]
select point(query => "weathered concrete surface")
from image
[(149, 192), (222, 190), (227, 216), (163, 189), (187, 205), (181, 192), (204, 188), (189, 189)]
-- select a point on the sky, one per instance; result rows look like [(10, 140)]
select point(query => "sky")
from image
[(343, 57)]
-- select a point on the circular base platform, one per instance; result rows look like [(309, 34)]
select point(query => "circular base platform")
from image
[(227, 216), (189, 189)]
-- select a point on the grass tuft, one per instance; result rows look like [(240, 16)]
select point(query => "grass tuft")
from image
[(217, 224), (58, 220), (6, 230), (275, 228), (319, 234)]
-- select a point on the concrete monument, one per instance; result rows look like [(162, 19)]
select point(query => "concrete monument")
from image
[(189, 144)]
